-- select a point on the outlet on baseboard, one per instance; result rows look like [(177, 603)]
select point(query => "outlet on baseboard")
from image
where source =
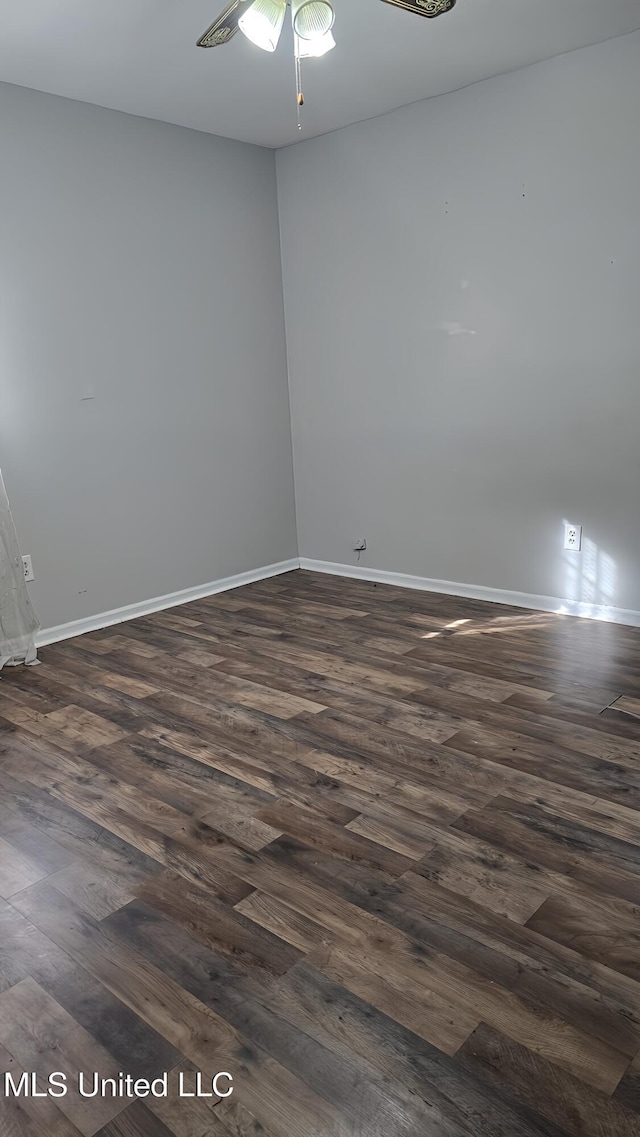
[(28, 568), (573, 537)]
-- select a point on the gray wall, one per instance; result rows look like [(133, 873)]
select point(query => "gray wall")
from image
[(139, 264), (462, 280)]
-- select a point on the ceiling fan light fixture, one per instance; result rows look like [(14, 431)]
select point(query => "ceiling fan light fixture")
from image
[(312, 18), (262, 23), (314, 48)]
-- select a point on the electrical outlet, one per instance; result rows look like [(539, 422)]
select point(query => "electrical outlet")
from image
[(573, 537), (359, 545), (28, 568)]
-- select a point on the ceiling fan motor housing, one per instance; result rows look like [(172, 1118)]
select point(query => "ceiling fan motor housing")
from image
[(312, 18)]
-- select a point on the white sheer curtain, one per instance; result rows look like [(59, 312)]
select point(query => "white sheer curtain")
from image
[(18, 621)]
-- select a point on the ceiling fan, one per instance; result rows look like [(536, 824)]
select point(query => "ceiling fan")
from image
[(261, 21)]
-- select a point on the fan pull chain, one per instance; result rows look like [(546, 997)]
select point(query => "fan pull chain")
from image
[(299, 94)]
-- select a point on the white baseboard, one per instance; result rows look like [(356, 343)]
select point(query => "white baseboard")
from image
[(359, 572), (158, 603), (480, 592)]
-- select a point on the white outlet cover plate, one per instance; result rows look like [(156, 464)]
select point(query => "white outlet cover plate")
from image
[(28, 569), (572, 537)]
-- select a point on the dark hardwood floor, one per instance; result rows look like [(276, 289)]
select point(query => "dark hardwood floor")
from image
[(374, 852)]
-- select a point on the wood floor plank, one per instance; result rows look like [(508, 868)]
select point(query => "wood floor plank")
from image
[(184, 1116), (17, 871), (136, 1121), (109, 803), (251, 1011), (95, 889), (319, 833), (166, 1007), (401, 786), (628, 705), (527, 1078), (223, 929), (27, 1116), (418, 1005), (605, 865), (285, 923), (43, 1037), (593, 929), (505, 884), (137, 1048), (563, 726), (72, 726), (596, 1063), (197, 1030), (403, 832), (628, 1091), (604, 816), (326, 1008), (600, 778), (239, 1122), (33, 844), (598, 1000)]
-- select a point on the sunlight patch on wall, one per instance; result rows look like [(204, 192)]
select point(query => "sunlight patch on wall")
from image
[(590, 576)]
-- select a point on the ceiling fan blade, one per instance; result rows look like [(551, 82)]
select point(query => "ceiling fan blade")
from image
[(428, 8), (224, 28)]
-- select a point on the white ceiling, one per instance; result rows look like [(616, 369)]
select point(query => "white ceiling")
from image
[(140, 56)]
